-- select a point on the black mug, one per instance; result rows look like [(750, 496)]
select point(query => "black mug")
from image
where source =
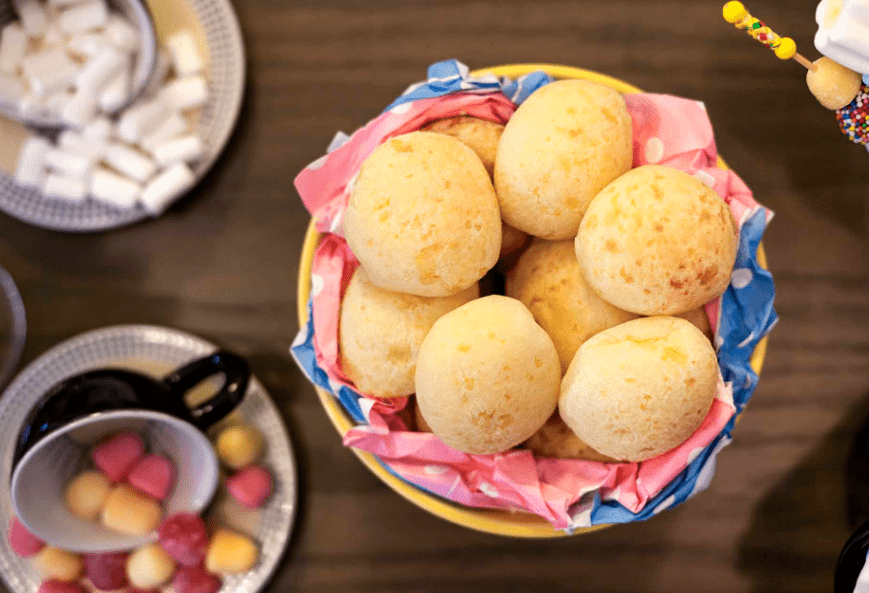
[(112, 389)]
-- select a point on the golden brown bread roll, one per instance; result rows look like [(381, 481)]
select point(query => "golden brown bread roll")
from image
[(700, 320), (555, 439), (656, 241), (487, 376), (479, 135), (548, 281), (423, 217), (482, 137), (560, 148), (380, 332), (641, 388)]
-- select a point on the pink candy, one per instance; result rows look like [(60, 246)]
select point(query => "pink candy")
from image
[(56, 586), (154, 475), (23, 543), (118, 456), (250, 486), (185, 538), (107, 571), (195, 579)]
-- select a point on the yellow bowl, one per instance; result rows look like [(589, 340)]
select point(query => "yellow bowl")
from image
[(509, 523)]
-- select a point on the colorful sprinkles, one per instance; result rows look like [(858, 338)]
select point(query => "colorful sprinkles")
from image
[(854, 118)]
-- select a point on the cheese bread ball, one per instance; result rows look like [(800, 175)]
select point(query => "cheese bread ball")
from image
[(380, 332), (641, 388), (555, 439), (561, 147), (656, 241), (487, 376), (548, 281), (423, 217), (482, 137), (700, 320)]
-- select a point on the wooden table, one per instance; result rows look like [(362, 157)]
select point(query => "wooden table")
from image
[(222, 263)]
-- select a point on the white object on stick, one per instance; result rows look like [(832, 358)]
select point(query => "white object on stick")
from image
[(843, 32), (174, 125), (93, 14), (187, 149), (13, 43), (186, 93), (130, 162), (114, 189), (166, 187), (69, 189), (68, 163), (30, 170), (186, 58)]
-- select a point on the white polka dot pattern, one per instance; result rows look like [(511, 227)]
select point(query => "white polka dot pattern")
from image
[(226, 74), (148, 349)]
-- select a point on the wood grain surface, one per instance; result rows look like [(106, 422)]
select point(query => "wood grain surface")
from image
[(222, 264)]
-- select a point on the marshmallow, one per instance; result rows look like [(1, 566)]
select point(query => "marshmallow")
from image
[(65, 188), (48, 71), (158, 76), (185, 55), (13, 43), (54, 35), (130, 162), (173, 126), (68, 163), (33, 106), (188, 149), (116, 92), (57, 101), (843, 32), (99, 129), (121, 33), (114, 189), (141, 119), (61, 4), (100, 69), (87, 45), (186, 93), (11, 89), (81, 110), (33, 16), (166, 187), (93, 148), (93, 14), (30, 170)]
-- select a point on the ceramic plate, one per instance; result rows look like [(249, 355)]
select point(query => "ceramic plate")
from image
[(154, 351), (216, 29)]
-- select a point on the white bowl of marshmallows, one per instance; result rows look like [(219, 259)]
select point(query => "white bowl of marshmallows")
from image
[(124, 109)]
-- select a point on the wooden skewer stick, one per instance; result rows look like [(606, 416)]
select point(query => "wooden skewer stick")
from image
[(785, 48)]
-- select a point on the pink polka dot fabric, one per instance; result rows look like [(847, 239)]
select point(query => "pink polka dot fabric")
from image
[(669, 131)]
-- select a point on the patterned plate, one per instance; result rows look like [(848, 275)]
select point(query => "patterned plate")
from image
[(155, 351), (221, 33)]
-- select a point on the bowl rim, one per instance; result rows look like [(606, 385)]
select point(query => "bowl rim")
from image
[(493, 521)]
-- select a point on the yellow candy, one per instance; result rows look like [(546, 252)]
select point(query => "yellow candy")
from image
[(734, 12), (786, 49)]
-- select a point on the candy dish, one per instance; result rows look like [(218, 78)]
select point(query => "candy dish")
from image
[(156, 351), (216, 31), (486, 492)]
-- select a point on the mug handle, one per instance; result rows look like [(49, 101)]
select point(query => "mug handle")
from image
[(222, 403)]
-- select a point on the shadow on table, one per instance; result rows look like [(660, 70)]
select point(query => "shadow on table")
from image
[(800, 526)]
